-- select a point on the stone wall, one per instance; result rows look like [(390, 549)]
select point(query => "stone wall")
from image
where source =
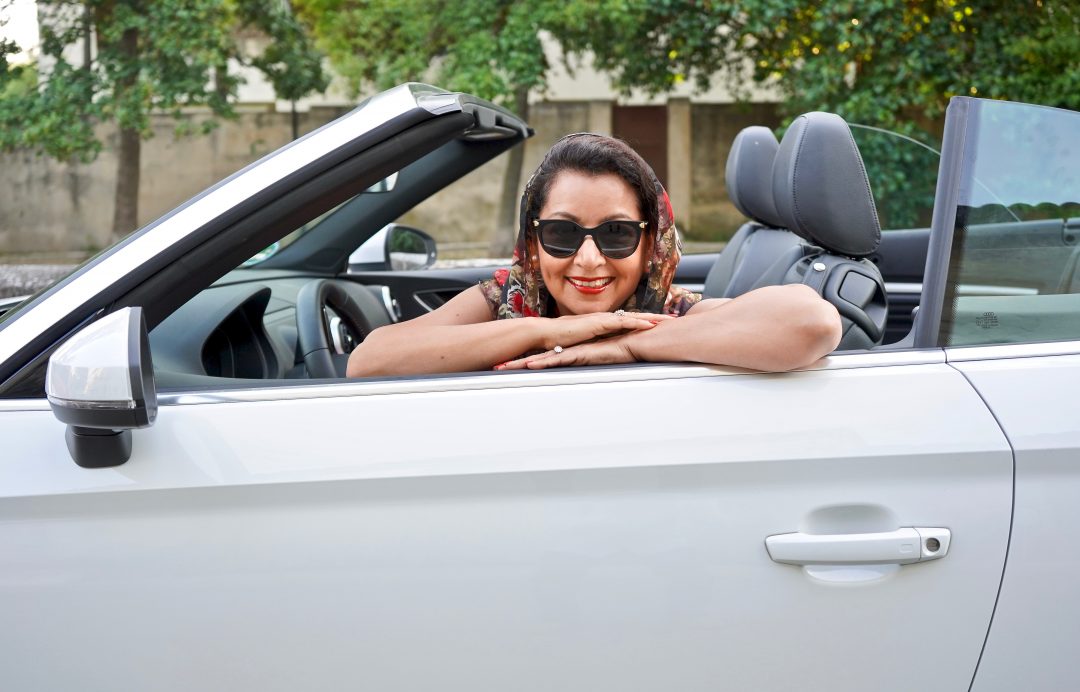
[(52, 207)]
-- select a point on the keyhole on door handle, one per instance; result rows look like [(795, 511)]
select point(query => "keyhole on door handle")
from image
[(932, 545)]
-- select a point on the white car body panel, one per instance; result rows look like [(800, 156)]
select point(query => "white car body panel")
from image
[(575, 535), (1032, 644)]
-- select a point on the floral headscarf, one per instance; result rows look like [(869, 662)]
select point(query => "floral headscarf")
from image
[(520, 291)]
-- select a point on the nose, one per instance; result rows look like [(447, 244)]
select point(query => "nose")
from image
[(588, 255)]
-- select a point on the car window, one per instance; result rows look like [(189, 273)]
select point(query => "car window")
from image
[(903, 174), (1013, 274)]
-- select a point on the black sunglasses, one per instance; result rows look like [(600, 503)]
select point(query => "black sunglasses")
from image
[(562, 238)]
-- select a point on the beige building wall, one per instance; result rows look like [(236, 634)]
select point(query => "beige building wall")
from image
[(51, 206), (48, 206), (712, 129)]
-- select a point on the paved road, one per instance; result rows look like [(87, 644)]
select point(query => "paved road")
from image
[(22, 279)]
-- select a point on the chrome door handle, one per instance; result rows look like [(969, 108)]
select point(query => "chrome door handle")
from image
[(900, 547)]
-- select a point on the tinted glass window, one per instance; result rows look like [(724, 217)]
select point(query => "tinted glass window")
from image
[(1013, 275), (903, 175)]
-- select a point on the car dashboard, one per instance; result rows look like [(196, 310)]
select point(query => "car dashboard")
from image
[(243, 328)]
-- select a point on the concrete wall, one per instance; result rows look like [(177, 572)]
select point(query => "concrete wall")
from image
[(51, 206), (713, 127), (47, 206)]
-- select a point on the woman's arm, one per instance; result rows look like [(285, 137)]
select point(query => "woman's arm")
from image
[(461, 336), (776, 328)]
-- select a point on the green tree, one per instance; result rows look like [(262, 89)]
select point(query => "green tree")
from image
[(896, 63), (138, 58), (887, 63), (490, 48), (653, 45)]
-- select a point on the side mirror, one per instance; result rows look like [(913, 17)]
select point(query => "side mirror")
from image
[(394, 247), (101, 383), (409, 248)]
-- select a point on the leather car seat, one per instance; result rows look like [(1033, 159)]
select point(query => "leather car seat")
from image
[(758, 244), (822, 193)]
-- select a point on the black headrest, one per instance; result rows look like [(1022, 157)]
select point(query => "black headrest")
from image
[(749, 174), (820, 186)]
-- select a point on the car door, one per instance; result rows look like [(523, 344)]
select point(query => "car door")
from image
[(628, 527), (1011, 325), (573, 529)]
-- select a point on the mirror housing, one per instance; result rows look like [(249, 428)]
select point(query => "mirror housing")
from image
[(409, 248), (394, 247), (101, 383)]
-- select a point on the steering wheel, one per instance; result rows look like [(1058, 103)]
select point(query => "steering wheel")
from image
[(313, 331)]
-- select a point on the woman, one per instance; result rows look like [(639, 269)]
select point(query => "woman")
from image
[(591, 284)]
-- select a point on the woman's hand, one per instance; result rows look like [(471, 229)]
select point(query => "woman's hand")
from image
[(576, 329), (615, 349)]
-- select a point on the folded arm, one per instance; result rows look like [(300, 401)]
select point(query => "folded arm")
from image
[(461, 336), (776, 328), (458, 337)]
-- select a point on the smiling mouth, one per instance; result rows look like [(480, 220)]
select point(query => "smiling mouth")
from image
[(590, 285)]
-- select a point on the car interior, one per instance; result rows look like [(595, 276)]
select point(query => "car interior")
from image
[(295, 311)]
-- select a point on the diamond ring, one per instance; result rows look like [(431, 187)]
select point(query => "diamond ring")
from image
[(620, 313), (557, 349)]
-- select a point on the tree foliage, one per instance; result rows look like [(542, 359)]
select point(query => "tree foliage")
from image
[(889, 62), (652, 45), (896, 63), (119, 61), (490, 48)]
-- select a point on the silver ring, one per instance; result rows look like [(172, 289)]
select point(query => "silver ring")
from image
[(620, 313), (557, 349)]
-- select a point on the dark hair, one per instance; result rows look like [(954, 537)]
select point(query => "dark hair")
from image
[(595, 155)]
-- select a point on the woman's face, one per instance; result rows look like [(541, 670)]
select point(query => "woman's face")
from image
[(588, 280)]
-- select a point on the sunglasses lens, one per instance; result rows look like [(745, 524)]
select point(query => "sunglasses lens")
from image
[(561, 238), (617, 239)]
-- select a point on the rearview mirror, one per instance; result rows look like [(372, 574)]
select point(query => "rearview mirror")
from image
[(101, 383)]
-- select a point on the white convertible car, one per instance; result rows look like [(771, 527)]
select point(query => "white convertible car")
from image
[(192, 498)]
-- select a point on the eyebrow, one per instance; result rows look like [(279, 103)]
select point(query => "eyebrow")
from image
[(617, 216)]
